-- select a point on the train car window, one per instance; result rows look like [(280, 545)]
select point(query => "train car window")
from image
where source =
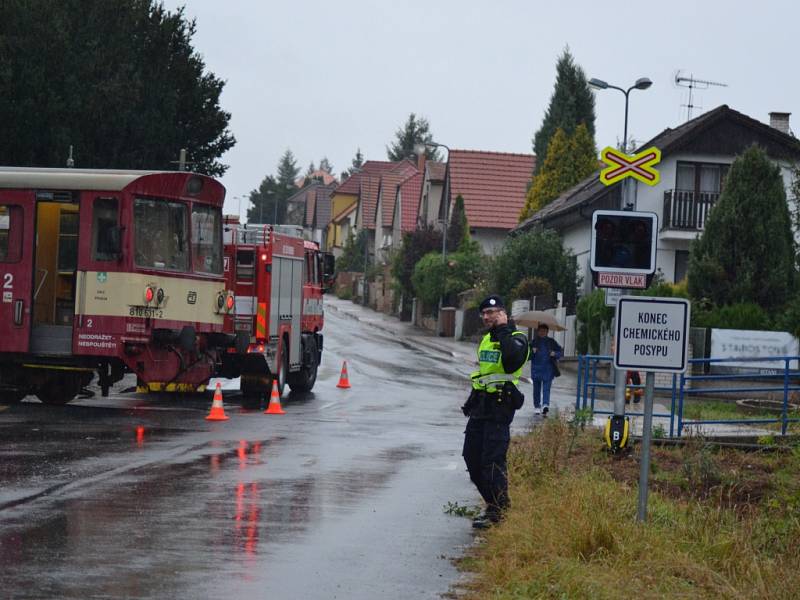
[(10, 233), (105, 234), (206, 239), (160, 238)]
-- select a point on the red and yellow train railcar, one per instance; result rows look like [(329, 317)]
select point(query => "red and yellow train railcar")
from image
[(110, 271)]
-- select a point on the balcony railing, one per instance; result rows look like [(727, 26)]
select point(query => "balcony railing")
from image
[(687, 210)]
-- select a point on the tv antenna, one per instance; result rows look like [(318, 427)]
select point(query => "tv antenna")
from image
[(693, 84)]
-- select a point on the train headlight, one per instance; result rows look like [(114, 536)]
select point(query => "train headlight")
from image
[(149, 294), (159, 296), (220, 302), (229, 302)]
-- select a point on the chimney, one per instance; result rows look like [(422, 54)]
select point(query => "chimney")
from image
[(780, 121), (421, 162)]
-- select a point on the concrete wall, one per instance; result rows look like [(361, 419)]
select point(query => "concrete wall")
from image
[(491, 240), (429, 206)]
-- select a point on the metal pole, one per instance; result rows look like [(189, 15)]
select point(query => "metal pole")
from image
[(625, 134), (364, 284), (619, 378), (275, 211), (446, 203), (647, 430)]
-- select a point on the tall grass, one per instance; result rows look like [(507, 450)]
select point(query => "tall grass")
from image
[(570, 533)]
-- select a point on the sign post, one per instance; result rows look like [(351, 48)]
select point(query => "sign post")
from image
[(652, 336), (622, 255)]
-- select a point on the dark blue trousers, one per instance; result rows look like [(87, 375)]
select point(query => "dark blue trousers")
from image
[(485, 448)]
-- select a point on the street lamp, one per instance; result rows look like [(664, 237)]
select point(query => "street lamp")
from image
[(420, 148), (641, 84)]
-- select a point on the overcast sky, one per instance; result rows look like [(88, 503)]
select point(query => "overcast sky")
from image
[(324, 78)]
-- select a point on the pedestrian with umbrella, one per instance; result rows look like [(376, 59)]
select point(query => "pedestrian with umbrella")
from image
[(545, 353)]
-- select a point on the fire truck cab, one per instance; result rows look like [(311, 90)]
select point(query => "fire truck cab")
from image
[(277, 281)]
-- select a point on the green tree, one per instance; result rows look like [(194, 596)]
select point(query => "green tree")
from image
[(593, 317), (432, 277), (458, 237), (571, 104), (746, 252), (262, 202), (325, 165), (536, 254), (355, 165), (569, 160), (120, 81), (416, 244), (274, 191), (416, 130), (353, 253)]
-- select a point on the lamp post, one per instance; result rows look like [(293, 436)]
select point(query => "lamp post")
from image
[(445, 203), (640, 84)]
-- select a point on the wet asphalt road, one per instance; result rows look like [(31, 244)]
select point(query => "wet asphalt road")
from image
[(139, 497)]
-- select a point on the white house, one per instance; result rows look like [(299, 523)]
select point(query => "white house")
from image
[(695, 157)]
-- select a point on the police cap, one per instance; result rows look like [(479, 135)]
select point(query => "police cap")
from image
[(493, 301)]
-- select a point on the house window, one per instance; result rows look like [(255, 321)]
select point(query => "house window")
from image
[(681, 265), (700, 178)]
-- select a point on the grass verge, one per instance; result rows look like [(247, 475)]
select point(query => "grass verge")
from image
[(721, 524)]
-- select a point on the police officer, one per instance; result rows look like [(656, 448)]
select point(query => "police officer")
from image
[(495, 397)]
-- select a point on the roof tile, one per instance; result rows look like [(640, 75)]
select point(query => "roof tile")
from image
[(493, 185), (410, 192)]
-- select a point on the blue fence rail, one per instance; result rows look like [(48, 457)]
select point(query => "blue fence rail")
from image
[(684, 386)]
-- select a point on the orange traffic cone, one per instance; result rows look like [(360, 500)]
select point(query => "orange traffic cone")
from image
[(274, 407), (344, 381), (217, 410)]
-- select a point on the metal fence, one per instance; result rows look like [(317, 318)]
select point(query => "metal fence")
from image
[(701, 381)]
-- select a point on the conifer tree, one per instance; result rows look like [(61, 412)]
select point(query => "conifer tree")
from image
[(569, 160), (571, 104), (416, 130), (746, 252)]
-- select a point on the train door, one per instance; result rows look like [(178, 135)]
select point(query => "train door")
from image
[(16, 262), (55, 272)]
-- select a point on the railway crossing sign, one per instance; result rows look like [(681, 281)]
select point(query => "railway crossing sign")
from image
[(652, 334), (623, 248), (639, 166)]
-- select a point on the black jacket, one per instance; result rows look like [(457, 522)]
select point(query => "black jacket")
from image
[(513, 348)]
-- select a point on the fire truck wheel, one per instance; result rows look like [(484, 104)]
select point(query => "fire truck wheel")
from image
[(283, 369), (305, 378)]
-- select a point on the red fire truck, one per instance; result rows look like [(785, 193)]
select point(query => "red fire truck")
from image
[(277, 279), (108, 272)]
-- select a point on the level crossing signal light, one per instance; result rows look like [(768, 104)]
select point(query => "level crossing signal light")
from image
[(624, 243)]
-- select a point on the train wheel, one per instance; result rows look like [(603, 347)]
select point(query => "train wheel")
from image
[(305, 378), (12, 396), (58, 391)]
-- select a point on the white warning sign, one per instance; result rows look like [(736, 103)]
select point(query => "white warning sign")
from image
[(652, 334)]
